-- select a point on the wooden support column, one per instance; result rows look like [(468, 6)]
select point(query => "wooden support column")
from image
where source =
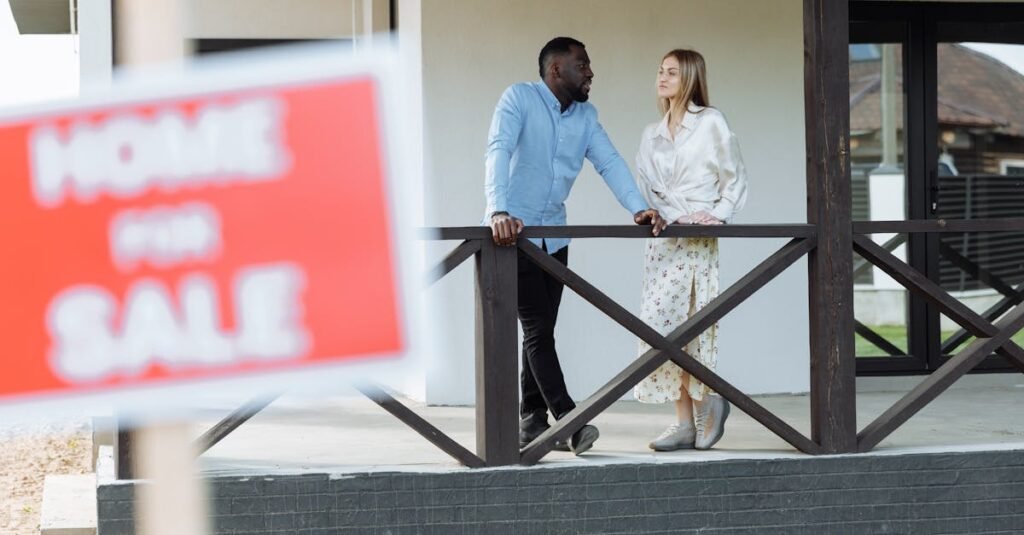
[(830, 264), (497, 360)]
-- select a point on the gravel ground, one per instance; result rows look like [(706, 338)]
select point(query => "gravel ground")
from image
[(27, 455)]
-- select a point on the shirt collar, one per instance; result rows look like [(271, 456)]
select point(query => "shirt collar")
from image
[(689, 121), (550, 99)]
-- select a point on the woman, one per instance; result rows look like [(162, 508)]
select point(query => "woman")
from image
[(689, 168)]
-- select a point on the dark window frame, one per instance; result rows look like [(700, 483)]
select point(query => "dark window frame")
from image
[(920, 26)]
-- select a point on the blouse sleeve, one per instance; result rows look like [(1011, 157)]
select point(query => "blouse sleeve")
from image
[(732, 173)]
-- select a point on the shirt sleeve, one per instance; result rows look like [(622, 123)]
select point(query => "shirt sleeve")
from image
[(613, 169), (506, 126), (732, 173)]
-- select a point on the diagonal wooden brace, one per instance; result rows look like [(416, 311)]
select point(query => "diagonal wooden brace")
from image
[(975, 271), (232, 421), (939, 381), (458, 255), (990, 337), (915, 281), (863, 265), (878, 340), (665, 348), (434, 435), (994, 311)]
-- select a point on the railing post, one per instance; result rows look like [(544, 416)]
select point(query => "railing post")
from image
[(829, 206), (497, 363), (124, 448)]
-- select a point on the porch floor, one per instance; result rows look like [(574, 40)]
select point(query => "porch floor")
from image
[(352, 434)]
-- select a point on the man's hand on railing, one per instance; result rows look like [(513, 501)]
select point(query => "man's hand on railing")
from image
[(505, 229), (651, 217)]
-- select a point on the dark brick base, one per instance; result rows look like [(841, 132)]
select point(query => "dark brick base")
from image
[(971, 493)]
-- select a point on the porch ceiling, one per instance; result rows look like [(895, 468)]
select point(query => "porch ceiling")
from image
[(42, 16)]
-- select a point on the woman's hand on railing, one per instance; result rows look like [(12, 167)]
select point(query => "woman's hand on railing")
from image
[(699, 218), (505, 229), (652, 217)]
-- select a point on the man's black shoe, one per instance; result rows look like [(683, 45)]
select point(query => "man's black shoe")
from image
[(532, 427), (584, 439)]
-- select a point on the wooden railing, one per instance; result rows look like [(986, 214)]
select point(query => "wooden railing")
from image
[(989, 337), (497, 364), (497, 355), (1011, 295)]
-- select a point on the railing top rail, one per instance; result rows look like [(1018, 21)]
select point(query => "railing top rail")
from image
[(1003, 224), (793, 230)]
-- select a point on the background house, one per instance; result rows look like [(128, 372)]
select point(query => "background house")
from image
[(981, 162)]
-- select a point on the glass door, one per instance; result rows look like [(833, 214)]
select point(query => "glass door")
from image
[(882, 174), (936, 132), (979, 145)]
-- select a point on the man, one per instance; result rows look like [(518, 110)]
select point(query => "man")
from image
[(539, 136)]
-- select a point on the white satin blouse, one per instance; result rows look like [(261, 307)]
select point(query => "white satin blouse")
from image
[(700, 170)]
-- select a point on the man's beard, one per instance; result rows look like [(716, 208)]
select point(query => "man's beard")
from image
[(579, 95)]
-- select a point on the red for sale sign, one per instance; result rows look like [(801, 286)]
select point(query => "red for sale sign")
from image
[(211, 235)]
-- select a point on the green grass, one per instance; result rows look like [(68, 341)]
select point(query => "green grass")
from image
[(897, 336)]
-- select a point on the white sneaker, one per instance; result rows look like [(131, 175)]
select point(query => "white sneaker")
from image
[(676, 437), (709, 415)]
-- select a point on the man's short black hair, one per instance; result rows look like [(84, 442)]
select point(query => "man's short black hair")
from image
[(556, 47)]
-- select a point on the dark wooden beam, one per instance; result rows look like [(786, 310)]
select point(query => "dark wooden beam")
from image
[(734, 231), (666, 347), (497, 362), (829, 207), (992, 312), (939, 381), (861, 265), (231, 422), (975, 271), (878, 340), (124, 447), (673, 231), (1005, 224), (914, 281), (458, 255), (421, 426), (796, 230)]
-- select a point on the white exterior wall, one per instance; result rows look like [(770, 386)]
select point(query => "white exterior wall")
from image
[(96, 46), (473, 49)]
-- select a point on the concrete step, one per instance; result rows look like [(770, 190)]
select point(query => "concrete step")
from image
[(683, 493), (69, 505)]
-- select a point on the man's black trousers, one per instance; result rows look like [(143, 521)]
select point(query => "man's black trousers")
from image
[(543, 386)]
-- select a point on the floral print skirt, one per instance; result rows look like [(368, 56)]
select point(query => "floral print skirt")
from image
[(680, 278)]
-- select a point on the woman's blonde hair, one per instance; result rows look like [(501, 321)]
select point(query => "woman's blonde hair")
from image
[(693, 85)]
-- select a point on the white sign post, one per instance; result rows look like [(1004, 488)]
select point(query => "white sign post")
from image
[(174, 501)]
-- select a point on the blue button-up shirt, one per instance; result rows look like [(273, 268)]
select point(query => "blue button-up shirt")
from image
[(535, 152)]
